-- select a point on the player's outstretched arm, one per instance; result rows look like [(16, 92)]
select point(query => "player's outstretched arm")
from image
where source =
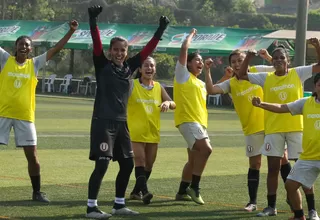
[(94, 12), (243, 72), (136, 61), (315, 42), (73, 27), (185, 46), (210, 87), (272, 107)]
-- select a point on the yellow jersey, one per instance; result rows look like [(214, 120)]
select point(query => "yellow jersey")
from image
[(190, 98), (311, 131), (17, 90), (242, 91), (144, 113), (282, 89)]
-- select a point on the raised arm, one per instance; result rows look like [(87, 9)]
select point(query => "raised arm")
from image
[(315, 42), (136, 61), (52, 51), (243, 72), (264, 54), (94, 11), (167, 102), (185, 46), (272, 107), (211, 88)]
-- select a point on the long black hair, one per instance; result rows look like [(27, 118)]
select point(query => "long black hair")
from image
[(315, 80), (20, 38)]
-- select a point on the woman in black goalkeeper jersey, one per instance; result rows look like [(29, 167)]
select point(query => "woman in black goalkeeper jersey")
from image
[(109, 137)]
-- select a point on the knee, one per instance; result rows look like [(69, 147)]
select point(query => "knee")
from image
[(256, 164), (33, 159), (139, 161), (101, 167), (126, 166), (290, 186)]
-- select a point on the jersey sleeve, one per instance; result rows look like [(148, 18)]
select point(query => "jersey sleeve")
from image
[(257, 78), (304, 72), (225, 86), (181, 73), (39, 62), (296, 107)]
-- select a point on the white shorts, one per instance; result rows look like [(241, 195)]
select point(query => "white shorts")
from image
[(274, 144), (192, 131), (24, 132), (305, 172), (254, 144)]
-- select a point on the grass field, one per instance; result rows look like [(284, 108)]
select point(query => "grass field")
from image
[(63, 143)]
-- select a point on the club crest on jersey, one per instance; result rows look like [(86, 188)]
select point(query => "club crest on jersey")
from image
[(104, 146), (268, 147), (249, 148), (283, 96), (317, 125)]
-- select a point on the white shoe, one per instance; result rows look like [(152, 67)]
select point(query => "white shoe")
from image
[(250, 207), (98, 214), (313, 215), (124, 211), (267, 212)]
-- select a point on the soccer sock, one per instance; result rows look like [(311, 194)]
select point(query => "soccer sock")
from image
[(195, 182), (253, 184), (148, 173), (35, 181), (285, 170), (310, 202), (183, 187), (126, 166), (96, 178), (272, 201), (140, 180), (92, 203), (298, 213)]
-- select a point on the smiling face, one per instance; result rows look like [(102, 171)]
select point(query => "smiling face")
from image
[(236, 61), (280, 60), (23, 48), (118, 50), (148, 69), (195, 63)]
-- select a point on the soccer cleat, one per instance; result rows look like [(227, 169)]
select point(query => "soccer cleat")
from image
[(147, 198), (40, 197), (195, 195), (124, 211), (250, 207), (267, 212), (94, 212), (135, 196), (313, 215), (183, 197)]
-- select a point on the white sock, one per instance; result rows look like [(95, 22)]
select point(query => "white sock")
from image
[(119, 201), (92, 203)]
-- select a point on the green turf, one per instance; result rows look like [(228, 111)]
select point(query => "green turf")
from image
[(63, 126)]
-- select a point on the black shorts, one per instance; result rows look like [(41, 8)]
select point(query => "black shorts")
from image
[(109, 139)]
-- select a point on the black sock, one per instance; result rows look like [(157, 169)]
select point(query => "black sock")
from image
[(253, 183), (35, 181), (126, 166), (195, 182), (285, 170), (96, 178), (298, 213), (183, 187), (148, 173), (310, 202), (272, 201), (140, 181)]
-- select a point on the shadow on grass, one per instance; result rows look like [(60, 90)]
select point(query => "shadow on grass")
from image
[(224, 197)]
